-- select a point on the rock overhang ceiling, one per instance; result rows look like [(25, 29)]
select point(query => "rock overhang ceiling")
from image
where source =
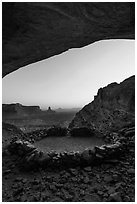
[(37, 31)]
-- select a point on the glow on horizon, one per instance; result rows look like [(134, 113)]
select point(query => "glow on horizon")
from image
[(73, 78)]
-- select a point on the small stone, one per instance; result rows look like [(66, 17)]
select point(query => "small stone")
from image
[(125, 163), (35, 182), (91, 189), (100, 193), (24, 181), (46, 194), (91, 198), (130, 133), (67, 186), (66, 196), (30, 198), (108, 179), (74, 179), (18, 179), (86, 180), (35, 187), (8, 171), (105, 195), (49, 178), (82, 192), (94, 188), (63, 180), (27, 188), (73, 171), (85, 174), (37, 196), (59, 185), (88, 169), (112, 161), (126, 199), (115, 197), (18, 191), (56, 199), (58, 193), (116, 177), (15, 186), (52, 188), (105, 199), (111, 190), (66, 175), (131, 171), (12, 166), (23, 198), (97, 176)]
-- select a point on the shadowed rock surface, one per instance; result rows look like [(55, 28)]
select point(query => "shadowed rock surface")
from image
[(36, 31), (10, 131), (113, 180), (112, 108)]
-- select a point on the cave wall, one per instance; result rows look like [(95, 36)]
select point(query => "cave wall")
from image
[(35, 31)]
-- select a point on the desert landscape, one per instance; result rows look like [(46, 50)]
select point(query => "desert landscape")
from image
[(68, 122), (77, 159)]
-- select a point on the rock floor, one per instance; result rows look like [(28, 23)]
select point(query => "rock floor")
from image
[(106, 182)]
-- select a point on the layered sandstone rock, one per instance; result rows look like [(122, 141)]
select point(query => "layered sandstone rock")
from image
[(112, 108)]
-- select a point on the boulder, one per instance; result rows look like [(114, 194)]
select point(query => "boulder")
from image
[(115, 197)]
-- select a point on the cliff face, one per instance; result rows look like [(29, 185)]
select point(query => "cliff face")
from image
[(112, 108), (35, 31)]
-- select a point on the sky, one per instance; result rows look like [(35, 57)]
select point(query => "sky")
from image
[(71, 79)]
